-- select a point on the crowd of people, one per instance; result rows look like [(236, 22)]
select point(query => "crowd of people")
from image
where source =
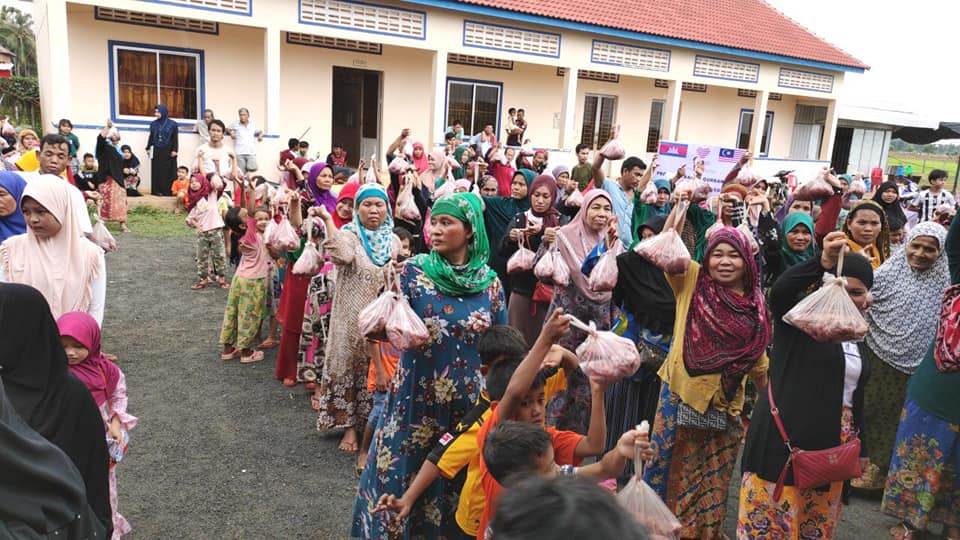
[(462, 432)]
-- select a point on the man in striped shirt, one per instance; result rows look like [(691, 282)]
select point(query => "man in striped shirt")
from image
[(927, 201)]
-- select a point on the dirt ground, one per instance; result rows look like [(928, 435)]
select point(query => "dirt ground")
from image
[(223, 450)]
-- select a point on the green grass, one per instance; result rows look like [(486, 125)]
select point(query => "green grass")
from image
[(922, 165), (150, 222)]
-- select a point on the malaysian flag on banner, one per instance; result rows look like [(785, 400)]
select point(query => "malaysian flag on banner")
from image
[(672, 149), (730, 155)]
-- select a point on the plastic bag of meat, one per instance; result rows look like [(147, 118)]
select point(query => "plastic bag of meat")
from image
[(649, 194), (613, 150), (310, 261), (406, 207), (814, 190), (574, 199), (858, 187), (604, 356), (699, 190), (828, 315), (522, 260), (641, 501), (101, 235), (747, 177), (399, 165), (405, 330), (372, 320), (282, 236), (604, 275)]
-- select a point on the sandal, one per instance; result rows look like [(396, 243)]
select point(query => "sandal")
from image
[(230, 355), (268, 343), (314, 402), (903, 531), (223, 284), (256, 356), (200, 284), (289, 383)]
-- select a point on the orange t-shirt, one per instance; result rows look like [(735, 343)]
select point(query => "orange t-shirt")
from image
[(564, 445), (390, 356), (180, 185)]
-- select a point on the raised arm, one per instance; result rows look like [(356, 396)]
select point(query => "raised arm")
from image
[(556, 327)]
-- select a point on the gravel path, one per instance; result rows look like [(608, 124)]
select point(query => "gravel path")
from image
[(223, 450)]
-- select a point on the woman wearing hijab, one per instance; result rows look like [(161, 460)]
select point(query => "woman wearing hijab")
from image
[(922, 483), (907, 291), (818, 389), (529, 298), (345, 202), (164, 141), (41, 492), (462, 156), (888, 197), (11, 218), (53, 256), (109, 177), (51, 401), (459, 298), (419, 158), (868, 232), (796, 246), (436, 171), (498, 214), (581, 243), (362, 252), (792, 205), (131, 171), (720, 335)]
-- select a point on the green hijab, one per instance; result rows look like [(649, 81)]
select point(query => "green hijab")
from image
[(791, 257), (460, 171), (475, 275)]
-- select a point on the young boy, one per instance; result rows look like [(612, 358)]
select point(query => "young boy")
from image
[(179, 188), (406, 243), (86, 174), (927, 201), (523, 401), (582, 172), (501, 349), (896, 235), (383, 365)]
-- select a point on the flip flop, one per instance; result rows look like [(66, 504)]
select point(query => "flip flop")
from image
[(200, 284), (314, 402), (268, 343), (289, 383), (255, 357), (223, 284)]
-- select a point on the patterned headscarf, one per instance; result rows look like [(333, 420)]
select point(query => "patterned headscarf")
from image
[(903, 318), (726, 332), (475, 275), (378, 244)]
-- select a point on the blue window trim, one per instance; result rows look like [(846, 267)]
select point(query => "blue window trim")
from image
[(216, 32), (112, 45), (422, 37), (593, 45), (832, 81), (287, 34), (248, 13), (767, 126), (627, 34), (755, 79), (463, 35), (446, 101), (125, 126)]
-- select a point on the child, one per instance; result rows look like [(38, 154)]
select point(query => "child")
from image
[(406, 243), (896, 235), (205, 218), (248, 292), (85, 178), (383, 365), (65, 127), (80, 336), (180, 187), (927, 201)]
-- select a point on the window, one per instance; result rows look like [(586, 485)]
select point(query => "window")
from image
[(144, 76), (474, 103), (807, 132), (746, 126), (599, 113), (656, 122)]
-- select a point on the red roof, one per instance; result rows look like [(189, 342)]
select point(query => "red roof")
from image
[(751, 25)]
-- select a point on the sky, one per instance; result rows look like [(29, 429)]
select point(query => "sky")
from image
[(911, 66)]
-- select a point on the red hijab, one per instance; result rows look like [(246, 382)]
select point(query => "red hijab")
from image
[(348, 191), (421, 163)]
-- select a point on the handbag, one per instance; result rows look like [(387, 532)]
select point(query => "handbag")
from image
[(542, 293), (651, 356), (815, 468), (712, 420)]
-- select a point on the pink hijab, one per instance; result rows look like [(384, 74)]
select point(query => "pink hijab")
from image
[(435, 170), (63, 267), (97, 373), (577, 240)]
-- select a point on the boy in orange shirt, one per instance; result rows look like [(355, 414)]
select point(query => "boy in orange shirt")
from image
[(382, 367), (179, 188)]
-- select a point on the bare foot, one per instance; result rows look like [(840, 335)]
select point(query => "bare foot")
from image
[(348, 443)]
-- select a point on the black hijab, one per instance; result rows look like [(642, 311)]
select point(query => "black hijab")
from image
[(33, 369), (895, 216), (643, 290), (131, 163), (41, 492)]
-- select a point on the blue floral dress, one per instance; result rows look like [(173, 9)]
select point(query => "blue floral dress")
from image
[(433, 388)]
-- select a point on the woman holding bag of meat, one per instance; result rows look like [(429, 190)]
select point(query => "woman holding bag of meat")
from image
[(818, 390)]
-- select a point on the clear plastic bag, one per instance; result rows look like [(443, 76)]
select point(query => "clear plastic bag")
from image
[(372, 177), (640, 500), (284, 237), (604, 356), (814, 190), (666, 250), (372, 320), (613, 150), (545, 267), (574, 199), (858, 187), (405, 330), (699, 190), (522, 260), (406, 206), (604, 275), (399, 165), (310, 261), (649, 194), (746, 176), (101, 236), (829, 315)]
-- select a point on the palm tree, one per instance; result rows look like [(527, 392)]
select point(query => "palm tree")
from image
[(16, 34)]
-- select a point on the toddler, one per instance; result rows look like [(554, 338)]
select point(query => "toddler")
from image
[(205, 218), (80, 336)]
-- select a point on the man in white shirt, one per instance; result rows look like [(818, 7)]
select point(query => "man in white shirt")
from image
[(245, 138), (927, 201)]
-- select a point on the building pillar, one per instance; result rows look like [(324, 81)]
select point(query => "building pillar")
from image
[(829, 131), (271, 47), (759, 123), (671, 112), (438, 118), (568, 110), (53, 63)]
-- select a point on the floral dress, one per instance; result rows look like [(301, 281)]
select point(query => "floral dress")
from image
[(433, 388)]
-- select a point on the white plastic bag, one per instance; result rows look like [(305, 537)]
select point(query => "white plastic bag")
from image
[(858, 187), (649, 194), (828, 315), (747, 177), (641, 501), (522, 259), (372, 177), (666, 250), (698, 189), (604, 356), (310, 261), (399, 165)]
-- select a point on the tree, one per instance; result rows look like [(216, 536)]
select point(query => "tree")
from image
[(16, 34)]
